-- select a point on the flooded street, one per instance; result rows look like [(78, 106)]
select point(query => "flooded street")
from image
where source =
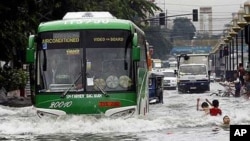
[(174, 120)]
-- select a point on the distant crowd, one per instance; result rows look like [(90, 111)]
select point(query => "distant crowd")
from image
[(240, 81)]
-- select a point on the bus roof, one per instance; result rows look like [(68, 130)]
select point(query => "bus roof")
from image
[(87, 14), (72, 21)]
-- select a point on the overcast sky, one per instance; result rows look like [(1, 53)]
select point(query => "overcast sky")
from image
[(221, 10)]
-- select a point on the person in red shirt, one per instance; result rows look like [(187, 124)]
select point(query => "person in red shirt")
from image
[(215, 110)]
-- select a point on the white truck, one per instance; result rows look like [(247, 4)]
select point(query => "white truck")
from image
[(193, 73), (173, 65)]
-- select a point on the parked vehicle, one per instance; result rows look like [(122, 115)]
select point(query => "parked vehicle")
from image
[(170, 79), (156, 87)]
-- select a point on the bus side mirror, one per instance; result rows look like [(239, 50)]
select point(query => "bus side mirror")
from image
[(136, 53), (186, 57), (136, 49), (30, 50)]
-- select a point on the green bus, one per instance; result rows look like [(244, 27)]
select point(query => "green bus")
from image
[(89, 63)]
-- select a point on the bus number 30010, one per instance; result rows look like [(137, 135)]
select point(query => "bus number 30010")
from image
[(60, 104)]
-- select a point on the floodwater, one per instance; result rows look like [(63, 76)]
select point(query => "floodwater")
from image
[(174, 120)]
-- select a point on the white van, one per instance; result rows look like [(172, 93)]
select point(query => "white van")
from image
[(170, 79)]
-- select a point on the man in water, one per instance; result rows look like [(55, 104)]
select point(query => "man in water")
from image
[(204, 106), (226, 121), (225, 125)]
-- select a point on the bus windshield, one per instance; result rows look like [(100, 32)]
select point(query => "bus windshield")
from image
[(193, 70), (88, 60)]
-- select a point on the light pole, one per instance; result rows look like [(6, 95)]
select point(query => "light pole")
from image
[(229, 50), (247, 18), (222, 58), (226, 40), (236, 29), (241, 23), (233, 34)]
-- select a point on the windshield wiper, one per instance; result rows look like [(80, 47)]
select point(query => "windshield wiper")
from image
[(101, 89), (97, 85), (71, 86)]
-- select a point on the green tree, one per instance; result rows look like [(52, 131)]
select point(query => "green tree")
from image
[(183, 29), (17, 22), (159, 39), (21, 18)]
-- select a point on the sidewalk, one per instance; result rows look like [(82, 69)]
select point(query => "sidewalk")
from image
[(13, 99)]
